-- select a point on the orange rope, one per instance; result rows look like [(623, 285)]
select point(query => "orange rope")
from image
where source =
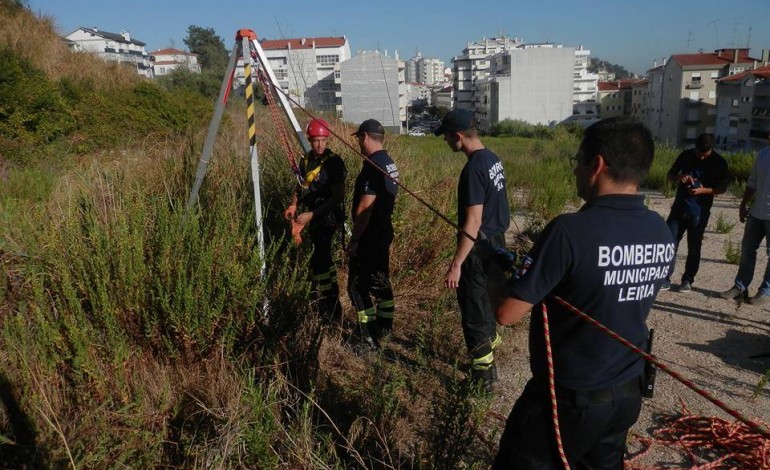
[(708, 442), (279, 124), (552, 389)]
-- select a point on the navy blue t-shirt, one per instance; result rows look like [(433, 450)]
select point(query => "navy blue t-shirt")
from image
[(710, 172), (372, 182), (608, 260), (482, 181)]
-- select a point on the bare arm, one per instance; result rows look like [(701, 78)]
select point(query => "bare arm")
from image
[(512, 311), (361, 217), (464, 245)]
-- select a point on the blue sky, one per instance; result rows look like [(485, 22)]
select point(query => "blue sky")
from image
[(631, 34)]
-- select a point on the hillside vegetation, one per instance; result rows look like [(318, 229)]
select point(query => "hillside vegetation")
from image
[(138, 334)]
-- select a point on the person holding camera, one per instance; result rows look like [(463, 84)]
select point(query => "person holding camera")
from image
[(700, 173)]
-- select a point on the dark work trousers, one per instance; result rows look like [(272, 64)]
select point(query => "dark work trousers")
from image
[(369, 282), (324, 269), (480, 274), (593, 425), (695, 226)]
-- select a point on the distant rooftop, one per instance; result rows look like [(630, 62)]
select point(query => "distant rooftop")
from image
[(113, 36), (718, 57), (302, 43), (170, 51)]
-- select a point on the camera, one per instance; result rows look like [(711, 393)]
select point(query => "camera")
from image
[(694, 184)]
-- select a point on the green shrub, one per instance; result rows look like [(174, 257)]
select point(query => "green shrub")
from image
[(732, 252), (722, 225)]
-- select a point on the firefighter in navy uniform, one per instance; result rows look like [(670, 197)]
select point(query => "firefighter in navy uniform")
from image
[(374, 198), (609, 261), (321, 195), (484, 214)]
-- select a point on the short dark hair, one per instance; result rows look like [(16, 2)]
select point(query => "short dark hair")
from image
[(704, 143), (626, 145)]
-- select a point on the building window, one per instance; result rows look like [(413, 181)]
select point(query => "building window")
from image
[(715, 74), (327, 60), (712, 94), (691, 132), (695, 95)]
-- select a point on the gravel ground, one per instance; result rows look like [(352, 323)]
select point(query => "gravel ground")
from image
[(707, 339)]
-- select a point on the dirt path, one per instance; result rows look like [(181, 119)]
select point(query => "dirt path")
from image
[(707, 339)]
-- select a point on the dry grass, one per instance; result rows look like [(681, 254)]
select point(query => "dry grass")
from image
[(36, 38)]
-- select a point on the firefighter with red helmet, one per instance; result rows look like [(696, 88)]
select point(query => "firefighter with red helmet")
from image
[(320, 193)]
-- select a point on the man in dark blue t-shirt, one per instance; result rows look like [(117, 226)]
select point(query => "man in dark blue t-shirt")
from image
[(482, 213), (700, 174), (608, 260), (374, 197)]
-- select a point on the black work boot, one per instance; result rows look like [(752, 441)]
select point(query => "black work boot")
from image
[(364, 343), (384, 329), (483, 379)]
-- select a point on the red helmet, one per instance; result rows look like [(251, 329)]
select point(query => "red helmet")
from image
[(317, 128)]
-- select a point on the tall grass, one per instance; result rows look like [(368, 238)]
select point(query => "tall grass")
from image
[(138, 334)]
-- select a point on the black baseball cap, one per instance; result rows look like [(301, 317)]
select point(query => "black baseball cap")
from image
[(370, 126), (457, 120)]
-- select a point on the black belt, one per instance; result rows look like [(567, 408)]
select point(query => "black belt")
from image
[(616, 392)]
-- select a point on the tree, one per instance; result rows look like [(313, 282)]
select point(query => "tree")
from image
[(210, 48)]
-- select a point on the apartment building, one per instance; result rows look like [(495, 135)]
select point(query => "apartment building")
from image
[(165, 61), (306, 67), (112, 47), (418, 92), (419, 69), (585, 88), (688, 93), (443, 97), (473, 64), (615, 98), (532, 83), (372, 86), (640, 100), (654, 103), (743, 109)]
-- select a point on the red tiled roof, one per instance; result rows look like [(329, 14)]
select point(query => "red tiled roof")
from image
[(614, 85), (761, 72), (718, 57), (302, 43), (170, 51)]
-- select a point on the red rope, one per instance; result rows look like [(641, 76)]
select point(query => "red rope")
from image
[(736, 414), (730, 445), (279, 124), (552, 388)]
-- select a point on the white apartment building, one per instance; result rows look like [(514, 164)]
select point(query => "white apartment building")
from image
[(473, 65), (418, 92), (112, 47), (421, 69), (585, 88), (443, 97), (372, 86), (165, 61), (532, 83), (306, 67)]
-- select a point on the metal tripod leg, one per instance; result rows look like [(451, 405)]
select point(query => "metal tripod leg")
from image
[(211, 136)]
